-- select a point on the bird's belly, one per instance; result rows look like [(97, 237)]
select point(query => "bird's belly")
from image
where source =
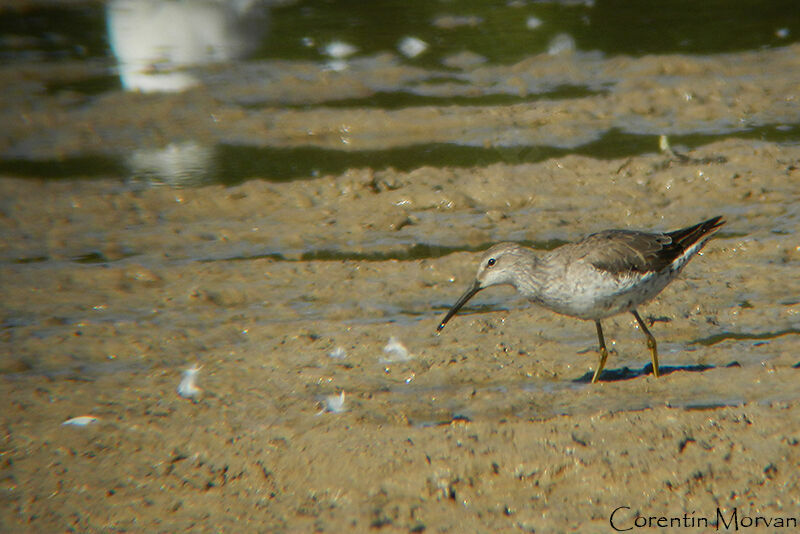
[(598, 297)]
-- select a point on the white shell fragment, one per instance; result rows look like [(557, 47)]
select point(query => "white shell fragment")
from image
[(82, 420), (532, 23), (338, 354), (395, 351), (188, 386), (562, 43), (336, 65), (411, 46), (334, 404), (339, 50)]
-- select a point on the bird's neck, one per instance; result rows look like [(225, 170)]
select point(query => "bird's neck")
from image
[(528, 280)]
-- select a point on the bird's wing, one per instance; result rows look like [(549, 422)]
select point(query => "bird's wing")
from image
[(621, 251)]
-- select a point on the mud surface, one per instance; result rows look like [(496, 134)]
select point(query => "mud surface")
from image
[(110, 294), (111, 288)]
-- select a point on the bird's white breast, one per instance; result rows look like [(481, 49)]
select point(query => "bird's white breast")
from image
[(589, 293)]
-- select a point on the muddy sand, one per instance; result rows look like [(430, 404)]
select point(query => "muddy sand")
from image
[(288, 293), (483, 427)]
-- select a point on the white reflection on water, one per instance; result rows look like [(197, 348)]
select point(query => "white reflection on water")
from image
[(156, 41), (178, 164)]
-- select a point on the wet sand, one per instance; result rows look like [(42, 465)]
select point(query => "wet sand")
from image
[(291, 104), (485, 427), (110, 291)]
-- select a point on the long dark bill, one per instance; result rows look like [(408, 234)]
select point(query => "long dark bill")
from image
[(476, 286)]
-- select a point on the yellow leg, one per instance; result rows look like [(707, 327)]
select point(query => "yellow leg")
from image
[(651, 343), (603, 353)]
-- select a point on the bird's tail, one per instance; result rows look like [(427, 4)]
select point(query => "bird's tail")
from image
[(687, 237)]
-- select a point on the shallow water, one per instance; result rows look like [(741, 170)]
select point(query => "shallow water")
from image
[(265, 99), (255, 210)]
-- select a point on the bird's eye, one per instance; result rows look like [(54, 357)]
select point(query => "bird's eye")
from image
[(491, 262)]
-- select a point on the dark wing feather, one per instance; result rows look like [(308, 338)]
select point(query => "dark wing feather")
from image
[(620, 251)]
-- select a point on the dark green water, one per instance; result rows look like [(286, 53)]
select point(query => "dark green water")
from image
[(234, 164), (499, 32)]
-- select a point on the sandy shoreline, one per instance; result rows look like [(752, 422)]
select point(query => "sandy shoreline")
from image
[(484, 428)]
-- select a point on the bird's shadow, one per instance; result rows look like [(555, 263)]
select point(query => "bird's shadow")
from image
[(626, 373)]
